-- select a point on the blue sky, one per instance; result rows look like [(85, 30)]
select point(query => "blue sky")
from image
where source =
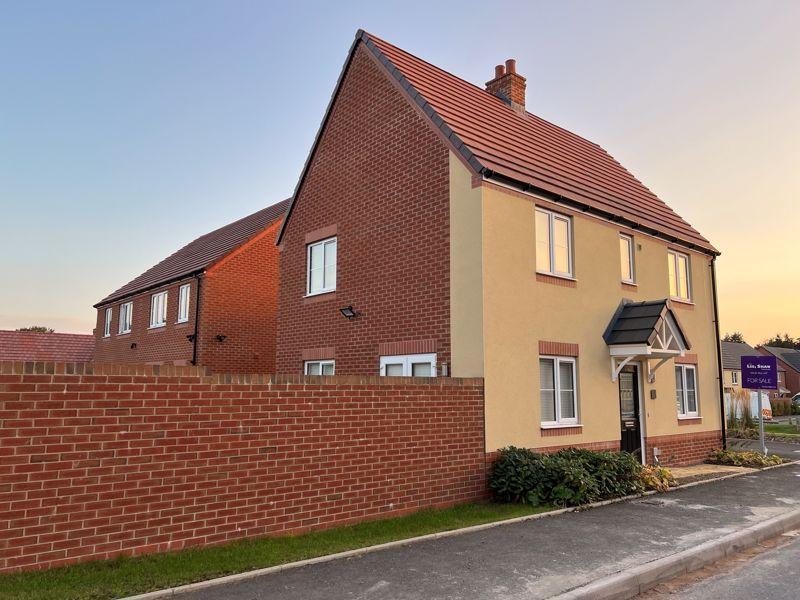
[(128, 129)]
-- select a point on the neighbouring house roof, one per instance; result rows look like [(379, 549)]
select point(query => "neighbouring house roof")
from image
[(30, 346), (507, 146), (198, 255), (640, 323), (732, 353), (788, 355)]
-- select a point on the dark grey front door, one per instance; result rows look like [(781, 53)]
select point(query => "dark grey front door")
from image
[(631, 440)]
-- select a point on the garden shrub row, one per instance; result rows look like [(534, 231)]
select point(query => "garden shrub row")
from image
[(571, 477)]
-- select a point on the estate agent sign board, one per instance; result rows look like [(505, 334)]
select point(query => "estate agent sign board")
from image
[(760, 372)]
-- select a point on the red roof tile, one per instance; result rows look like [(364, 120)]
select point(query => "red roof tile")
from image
[(46, 347), (497, 141), (201, 253)]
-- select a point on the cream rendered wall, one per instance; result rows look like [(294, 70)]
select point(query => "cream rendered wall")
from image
[(466, 277), (519, 311)]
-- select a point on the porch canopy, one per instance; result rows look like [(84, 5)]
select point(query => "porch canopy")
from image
[(644, 331)]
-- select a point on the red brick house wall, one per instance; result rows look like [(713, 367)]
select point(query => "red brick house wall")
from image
[(239, 299), (791, 378), (683, 449), (167, 344), (380, 180), (107, 460)]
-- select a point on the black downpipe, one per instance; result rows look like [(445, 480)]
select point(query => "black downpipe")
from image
[(196, 321), (719, 351)]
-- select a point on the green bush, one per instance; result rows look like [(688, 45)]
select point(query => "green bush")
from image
[(569, 477), (754, 460)]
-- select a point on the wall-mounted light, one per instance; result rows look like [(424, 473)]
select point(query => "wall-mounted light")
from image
[(133, 346), (221, 338), (190, 337), (348, 312)]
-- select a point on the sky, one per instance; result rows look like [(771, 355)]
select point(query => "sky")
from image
[(129, 128)]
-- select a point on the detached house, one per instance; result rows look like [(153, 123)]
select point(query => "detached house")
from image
[(789, 363), (440, 229), (211, 303)]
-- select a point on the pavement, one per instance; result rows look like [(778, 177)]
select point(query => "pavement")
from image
[(539, 558), (784, 449), (772, 575)]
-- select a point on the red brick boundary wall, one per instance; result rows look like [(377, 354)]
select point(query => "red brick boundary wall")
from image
[(684, 448), (102, 460)]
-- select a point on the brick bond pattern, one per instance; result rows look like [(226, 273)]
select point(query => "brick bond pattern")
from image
[(381, 176), (683, 449), (238, 299), (104, 460)]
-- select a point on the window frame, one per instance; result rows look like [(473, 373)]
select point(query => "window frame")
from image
[(323, 362), (683, 412), (552, 217), (734, 377), (109, 317), (408, 360), (673, 259), (125, 324), (325, 289), (153, 304), (560, 422), (184, 302), (631, 258)]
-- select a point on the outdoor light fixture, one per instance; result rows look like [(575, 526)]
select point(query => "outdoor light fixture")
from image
[(348, 312), (133, 346), (221, 338), (190, 337)]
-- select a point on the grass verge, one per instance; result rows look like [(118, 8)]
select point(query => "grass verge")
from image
[(780, 429), (127, 576)]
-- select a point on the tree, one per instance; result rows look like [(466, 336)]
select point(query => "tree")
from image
[(784, 341), (37, 329), (736, 337)]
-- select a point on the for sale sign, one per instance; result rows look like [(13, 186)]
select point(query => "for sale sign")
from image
[(760, 372)]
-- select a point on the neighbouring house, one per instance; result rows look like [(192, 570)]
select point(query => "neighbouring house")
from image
[(732, 353), (211, 303), (31, 346), (789, 362), (440, 229)]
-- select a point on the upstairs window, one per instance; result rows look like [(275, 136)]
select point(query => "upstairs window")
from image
[(320, 367), (626, 258), (410, 365), (125, 317), (158, 309), (107, 327), (183, 302), (553, 243), (686, 390), (321, 269), (557, 391), (680, 287)]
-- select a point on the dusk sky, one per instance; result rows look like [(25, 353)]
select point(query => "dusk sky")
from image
[(128, 129)]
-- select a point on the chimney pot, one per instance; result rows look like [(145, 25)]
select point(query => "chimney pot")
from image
[(508, 85), (511, 66), (499, 71)]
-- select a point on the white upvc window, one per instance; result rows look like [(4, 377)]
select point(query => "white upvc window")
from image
[(680, 284), (107, 325), (184, 292), (125, 317), (558, 392), (626, 258), (686, 390), (158, 309), (735, 377), (553, 243), (321, 267), (409, 365), (320, 367)]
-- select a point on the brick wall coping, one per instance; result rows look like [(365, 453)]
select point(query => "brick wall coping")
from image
[(116, 369)]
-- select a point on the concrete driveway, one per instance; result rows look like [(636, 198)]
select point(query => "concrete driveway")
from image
[(540, 558)]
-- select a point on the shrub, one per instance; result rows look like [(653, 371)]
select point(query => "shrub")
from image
[(747, 458), (657, 478), (568, 477)]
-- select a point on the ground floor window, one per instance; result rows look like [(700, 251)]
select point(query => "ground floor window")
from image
[(320, 367), (557, 391), (686, 390), (409, 365)]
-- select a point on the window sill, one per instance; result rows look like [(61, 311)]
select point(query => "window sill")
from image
[(561, 280), (560, 429), (690, 420), (560, 425), (157, 326), (124, 333), (181, 322), (319, 297), (681, 303), (629, 285)]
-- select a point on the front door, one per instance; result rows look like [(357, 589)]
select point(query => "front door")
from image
[(631, 440)]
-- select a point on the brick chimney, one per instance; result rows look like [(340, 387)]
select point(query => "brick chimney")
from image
[(508, 85)]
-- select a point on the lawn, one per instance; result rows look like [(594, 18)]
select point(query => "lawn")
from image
[(127, 576), (780, 429)]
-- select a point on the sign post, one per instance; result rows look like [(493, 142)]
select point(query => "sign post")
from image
[(760, 373)]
